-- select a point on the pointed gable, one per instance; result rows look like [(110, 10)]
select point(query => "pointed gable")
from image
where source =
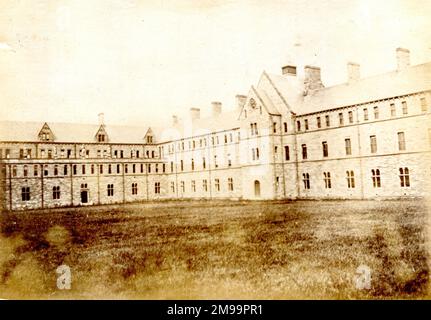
[(46, 134), (149, 137), (101, 135)]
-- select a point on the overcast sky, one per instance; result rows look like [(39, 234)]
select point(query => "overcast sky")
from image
[(142, 61)]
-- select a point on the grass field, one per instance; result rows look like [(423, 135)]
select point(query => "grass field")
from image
[(208, 250)]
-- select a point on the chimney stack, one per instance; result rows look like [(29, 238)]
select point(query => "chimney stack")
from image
[(353, 72), (101, 117), (312, 80), (195, 113), (288, 70), (174, 120), (216, 108), (240, 101), (403, 58)]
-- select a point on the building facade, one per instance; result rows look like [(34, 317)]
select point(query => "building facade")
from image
[(290, 137)]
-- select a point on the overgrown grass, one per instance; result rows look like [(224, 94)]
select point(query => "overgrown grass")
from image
[(218, 250)]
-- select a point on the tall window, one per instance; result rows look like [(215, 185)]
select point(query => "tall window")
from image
[(230, 184), (340, 119), (25, 193), (306, 180), (56, 192), (183, 186), (375, 176), (181, 165), (110, 189), (393, 110), (404, 107), (36, 170), (424, 106), (350, 116), (217, 184), (348, 146), (83, 169), (306, 124), (304, 151), (45, 170), (325, 148), (14, 171), (25, 171), (274, 127), (286, 153), (401, 141), (193, 164), (193, 185), (285, 126), (327, 120), (373, 144), (205, 185), (327, 180), (319, 122), (74, 168), (157, 187), (350, 175), (204, 164), (101, 169), (365, 114), (65, 170), (376, 112), (215, 162), (404, 177), (134, 188), (298, 125), (109, 168), (172, 187)]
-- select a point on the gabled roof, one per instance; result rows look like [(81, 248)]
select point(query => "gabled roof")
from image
[(70, 132)]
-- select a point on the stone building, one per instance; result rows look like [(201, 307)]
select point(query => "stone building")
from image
[(290, 137)]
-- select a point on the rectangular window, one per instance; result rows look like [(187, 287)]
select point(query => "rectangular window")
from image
[(373, 144), (21, 153), (401, 141), (404, 177), (172, 187), (205, 185), (375, 177), (274, 127), (350, 116), (306, 180), (404, 107), (172, 166), (327, 120), (192, 164), (134, 168), (110, 189), (325, 148), (340, 119), (75, 169), (286, 153), (285, 126), (109, 169), (36, 170), (157, 187), (365, 114), (56, 192), (25, 171), (350, 176), (230, 184), (148, 168), (83, 169), (424, 106), (217, 184), (327, 180), (348, 146), (215, 162), (181, 165), (183, 186), (304, 151), (65, 170), (306, 124), (319, 122), (393, 110), (376, 113), (25, 193), (193, 185), (101, 169), (118, 169), (298, 125)]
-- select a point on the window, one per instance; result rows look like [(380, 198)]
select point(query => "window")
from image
[(404, 177), (376, 113), (274, 127), (172, 166), (25, 193), (21, 153), (286, 153), (183, 187), (101, 138), (75, 169), (393, 110), (148, 167), (45, 170), (230, 184), (404, 107), (327, 179), (101, 169), (49, 154), (134, 168), (229, 160), (163, 167), (157, 187), (375, 176), (325, 148), (373, 144), (424, 106), (134, 188), (350, 116), (285, 126), (350, 175), (109, 168), (348, 146), (319, 122), (110, 189), (56, 192), (25, 171), (65, 170), (306, 124), (298, 125), (83, 169), (36, 170), (401, 141), (193, 185), (205, 185), (172, 187), (306, 180), (181, 165), (118, 168), (340, 119), (365, 114), (304, 151), (217, 184), (327, 120), (215, 162), (253, 127), (193, 164)]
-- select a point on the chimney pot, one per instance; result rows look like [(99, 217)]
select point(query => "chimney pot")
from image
[(216, 108), (312, 80), (403, 58), (195, 113), (288, 70)]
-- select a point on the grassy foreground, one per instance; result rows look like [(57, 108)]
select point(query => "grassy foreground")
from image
[(208, 250)]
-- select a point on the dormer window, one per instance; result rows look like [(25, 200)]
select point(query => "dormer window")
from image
[(101, 138), (149, 139)]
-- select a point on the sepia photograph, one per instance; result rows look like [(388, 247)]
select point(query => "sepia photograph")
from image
[(215, 150)]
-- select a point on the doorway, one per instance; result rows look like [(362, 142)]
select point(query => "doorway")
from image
[(84, 196), (256, 188)]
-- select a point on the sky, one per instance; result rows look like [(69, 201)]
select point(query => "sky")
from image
[(140, 62)]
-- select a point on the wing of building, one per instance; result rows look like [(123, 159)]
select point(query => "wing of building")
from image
[(290, 137)]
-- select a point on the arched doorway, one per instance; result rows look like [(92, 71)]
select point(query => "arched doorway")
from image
[(256, 188)]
